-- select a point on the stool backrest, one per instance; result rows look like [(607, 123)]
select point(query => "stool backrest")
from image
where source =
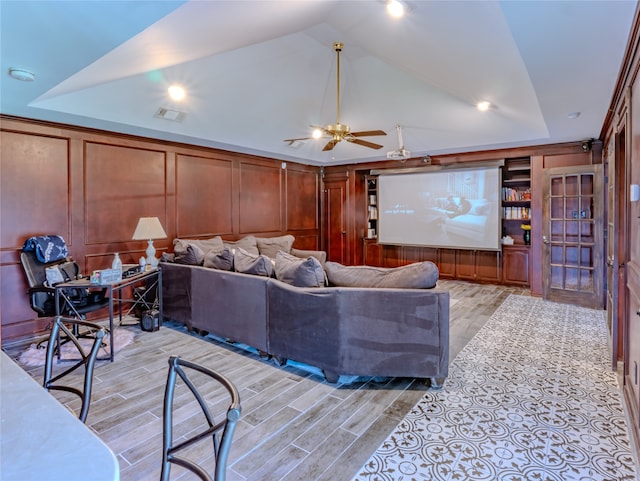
[(221, 431), (64, 331)]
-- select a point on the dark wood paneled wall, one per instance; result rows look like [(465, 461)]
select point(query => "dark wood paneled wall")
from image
[(621, 133), (91, 187)]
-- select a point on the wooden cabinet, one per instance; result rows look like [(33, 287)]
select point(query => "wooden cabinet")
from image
[(515, 265), (481, 266)]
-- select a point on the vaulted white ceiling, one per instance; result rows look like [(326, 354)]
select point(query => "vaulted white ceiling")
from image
[(258, 72)]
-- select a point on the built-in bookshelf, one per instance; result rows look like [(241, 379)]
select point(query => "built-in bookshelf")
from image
[(516, 197), (372, 207)]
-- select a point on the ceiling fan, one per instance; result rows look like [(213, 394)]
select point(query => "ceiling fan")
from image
[(338, 132)]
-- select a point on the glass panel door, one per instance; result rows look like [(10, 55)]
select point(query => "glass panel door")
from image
[(572, 270)]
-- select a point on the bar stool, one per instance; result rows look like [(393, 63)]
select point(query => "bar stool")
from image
[(225, 427), (63, 332)]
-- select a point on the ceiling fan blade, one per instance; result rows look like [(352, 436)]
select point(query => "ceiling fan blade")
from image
[(368, 133), (299, 138), (365, 143), (331, 144)]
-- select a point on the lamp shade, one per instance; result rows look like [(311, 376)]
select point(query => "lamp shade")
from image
[(149, 228)]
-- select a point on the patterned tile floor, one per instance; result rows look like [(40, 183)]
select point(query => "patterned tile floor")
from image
[(531, 397)]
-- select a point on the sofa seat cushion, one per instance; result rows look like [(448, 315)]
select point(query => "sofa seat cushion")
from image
[(420, 275), (299, 272), (219, 260), (270, 246), (248, 263)]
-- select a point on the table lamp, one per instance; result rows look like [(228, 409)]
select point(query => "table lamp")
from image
[(149, 228)]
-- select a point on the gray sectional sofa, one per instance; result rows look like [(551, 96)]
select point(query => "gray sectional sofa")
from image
[(351, 331)]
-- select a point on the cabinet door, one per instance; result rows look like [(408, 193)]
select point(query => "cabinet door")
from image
[(372, 253), (488, 266), (632, 378), (515, 265), (447, 263), (466, 265)]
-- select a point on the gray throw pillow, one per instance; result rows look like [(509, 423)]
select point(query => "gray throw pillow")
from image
[(255, 264), (203, 246), (299, 272), (247, 243), (167, 257), (189, 254), (219, 260), (420, 275), (270, 246)]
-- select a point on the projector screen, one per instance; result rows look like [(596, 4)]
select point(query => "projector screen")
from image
[(454, 208)]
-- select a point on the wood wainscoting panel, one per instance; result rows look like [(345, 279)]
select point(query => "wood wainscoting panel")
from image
[(260, 197), (122, 184), (302, 196), (204, 196), (34, 198)]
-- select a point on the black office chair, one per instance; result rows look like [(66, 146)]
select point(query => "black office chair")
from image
[(61, 334), (226, 426), (46, 262)]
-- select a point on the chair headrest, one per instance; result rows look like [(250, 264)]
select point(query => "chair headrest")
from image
[(48, 248)]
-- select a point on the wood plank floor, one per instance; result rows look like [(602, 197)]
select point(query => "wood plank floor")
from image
[(294, 426)]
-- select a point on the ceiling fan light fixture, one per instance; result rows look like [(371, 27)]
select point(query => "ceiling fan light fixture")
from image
[(396, 8), (317, 133)]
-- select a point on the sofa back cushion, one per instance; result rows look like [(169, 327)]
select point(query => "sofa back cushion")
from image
[(256, 264), (247, 243), (420, 275), (193, 251), (320, 255), (270, 246), (299, 272)]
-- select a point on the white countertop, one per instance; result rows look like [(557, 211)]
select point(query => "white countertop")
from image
[(40, 439)]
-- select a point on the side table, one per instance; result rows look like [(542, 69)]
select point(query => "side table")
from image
[(152, 277)]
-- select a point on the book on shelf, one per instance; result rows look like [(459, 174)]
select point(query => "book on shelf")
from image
[(510, 194), (518, 213)]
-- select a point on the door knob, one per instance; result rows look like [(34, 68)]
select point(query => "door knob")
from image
[(545, 240)]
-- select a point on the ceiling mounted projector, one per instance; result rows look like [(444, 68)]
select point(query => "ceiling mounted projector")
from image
[(400, 153)]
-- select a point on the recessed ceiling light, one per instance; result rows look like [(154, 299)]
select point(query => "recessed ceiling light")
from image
[(22, 74), (483, 106), (395, 8), (176, 92), (574, 115)]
